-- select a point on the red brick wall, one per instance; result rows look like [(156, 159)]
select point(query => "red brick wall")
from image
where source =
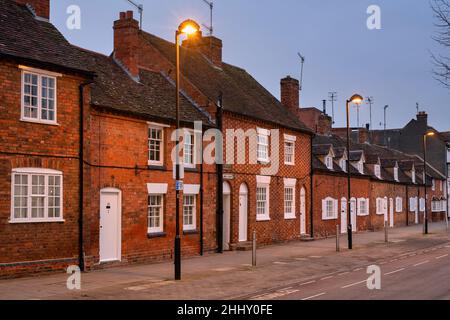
[(41, 7), (34, 247), (278, 229), (118, 152)]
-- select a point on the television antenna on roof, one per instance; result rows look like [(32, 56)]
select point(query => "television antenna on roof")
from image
[(210, 28), (302, 60), (140, 8), (333, 98)]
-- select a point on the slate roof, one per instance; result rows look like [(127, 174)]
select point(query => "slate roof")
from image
[(154, 96), (322, 149), (242, 94), (25, 37), (356, 155)]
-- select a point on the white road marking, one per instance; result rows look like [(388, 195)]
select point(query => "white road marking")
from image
[(280, 263), (396, 271), (223, 269), (343, 274), (384, 262), (359, 269), (315, 257), (441, 257), (421, 263), (394, 260), (273, 295), (301, 259), (315, 296), (353, 284), (326, 278), (306, 283), (413, 255)]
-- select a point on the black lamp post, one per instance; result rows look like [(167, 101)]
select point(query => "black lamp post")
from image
[(425, 136), (357, 99), (188, 27)]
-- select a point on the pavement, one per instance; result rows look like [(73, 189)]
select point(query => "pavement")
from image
[(413, 266)]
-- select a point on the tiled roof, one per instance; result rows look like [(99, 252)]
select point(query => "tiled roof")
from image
[(388, 163), (153, 96), (356, 155), (372, 158), (322, 149), (25, 37), (242, 94)]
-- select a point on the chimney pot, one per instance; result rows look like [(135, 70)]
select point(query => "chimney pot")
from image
[(40, 7), (122, 15), (129, 14)]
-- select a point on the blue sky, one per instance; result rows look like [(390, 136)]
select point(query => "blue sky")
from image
[(263, 36)]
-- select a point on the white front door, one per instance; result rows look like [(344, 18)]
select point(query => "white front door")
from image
[(391, 213), (243, 214), (343, 215), (353, 211), (302, 211), (416, 216), (110, 225)]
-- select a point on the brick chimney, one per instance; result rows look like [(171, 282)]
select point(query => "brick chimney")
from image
[(422, 117), (40, 7), (363, 134), (210, 47), (324, 125), (126, 42), (290, 93)]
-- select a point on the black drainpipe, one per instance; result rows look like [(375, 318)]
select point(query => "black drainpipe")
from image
[(81, 260), (407, 205), (311, 190), (219, 215)]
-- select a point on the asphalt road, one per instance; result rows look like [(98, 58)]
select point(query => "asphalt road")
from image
[(420, 275)]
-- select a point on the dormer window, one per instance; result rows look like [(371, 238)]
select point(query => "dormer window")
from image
[(361, 167), (377, 170), (329, 162), (343, 164), (413, 176), (396, 174)]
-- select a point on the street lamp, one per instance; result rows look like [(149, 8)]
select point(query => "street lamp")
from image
[(188, 27), (425, 136), (356, 99)]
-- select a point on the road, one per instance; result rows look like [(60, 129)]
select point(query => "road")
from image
[(419, 275)]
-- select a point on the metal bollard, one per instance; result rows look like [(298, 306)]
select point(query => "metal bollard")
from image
[(338, 242), (254, 249), (386, 232)]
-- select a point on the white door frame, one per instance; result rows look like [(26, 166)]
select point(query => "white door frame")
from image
[(119, 222), (344, 224), (353, 210), (226, 215), (243, 214), (303, 211)]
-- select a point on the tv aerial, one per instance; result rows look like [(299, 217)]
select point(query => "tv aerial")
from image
[(140, 8)]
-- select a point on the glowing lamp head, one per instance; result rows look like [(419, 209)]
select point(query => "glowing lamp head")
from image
[(189, 27), (356, 99), (430, 134)]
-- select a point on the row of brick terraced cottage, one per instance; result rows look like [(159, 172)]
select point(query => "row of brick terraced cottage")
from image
[(86, 172)]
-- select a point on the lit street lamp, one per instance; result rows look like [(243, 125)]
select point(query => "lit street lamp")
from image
[(188, 27), (425, 136), (356, 99)]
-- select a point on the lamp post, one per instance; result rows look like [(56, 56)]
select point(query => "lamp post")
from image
[(425, 136), (188, 27), (356, 99)]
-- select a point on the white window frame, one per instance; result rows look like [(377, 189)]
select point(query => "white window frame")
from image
[(343, 164), (399, 204), (396, 174), (263, 182), (377, 169), (361, 167), (422, 204), (290, 184), (292, 141), (40, 74), (37, 172), (413, 204), (433, 185), (329, 209), (157, 189), (329, 162), (261, 135), (366, 212), (193, 226), (194, 150), (381, 206), (159, 162), (413, 176), (160, 229)]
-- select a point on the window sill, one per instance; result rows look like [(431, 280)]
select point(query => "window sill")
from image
[(329, 219), (262, 219), (264, 162), (35, 221), (289, 164), (153, 166), (156, 235), (190, 169), (190, 232), (48, 123), (290, 218)]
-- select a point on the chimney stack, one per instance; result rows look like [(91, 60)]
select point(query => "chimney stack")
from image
[(324, 125), (290, 93), (40, 7), (126, 42), (422, 117), (210, 47)]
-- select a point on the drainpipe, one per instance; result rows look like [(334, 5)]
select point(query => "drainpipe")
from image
[(81, 260), (311, 191), (407, 205), (201, 203), (219, 166)]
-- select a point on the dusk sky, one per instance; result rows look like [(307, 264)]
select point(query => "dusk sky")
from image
[(263, 36)]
